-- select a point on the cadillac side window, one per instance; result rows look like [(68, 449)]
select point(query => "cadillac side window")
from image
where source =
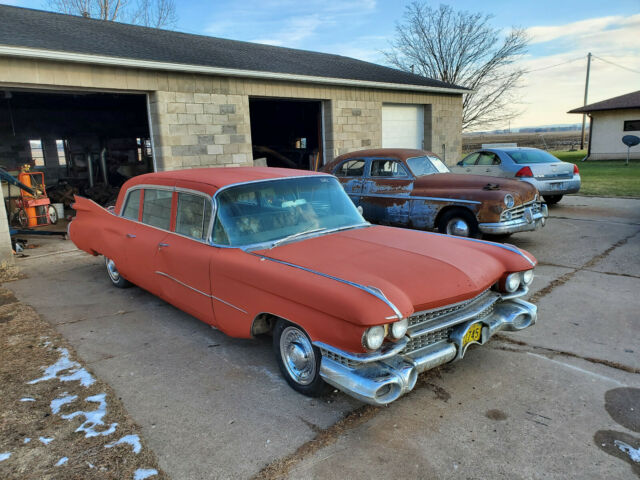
[(156, 208), (387, 168), (193, 216), (350, 168), (132, 207)]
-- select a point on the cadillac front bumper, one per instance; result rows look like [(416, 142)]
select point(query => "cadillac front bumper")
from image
[(382, 377)]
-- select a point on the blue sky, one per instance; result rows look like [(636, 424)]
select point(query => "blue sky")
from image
[(561, 31)]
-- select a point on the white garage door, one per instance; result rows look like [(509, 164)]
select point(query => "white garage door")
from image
[(402, 126)]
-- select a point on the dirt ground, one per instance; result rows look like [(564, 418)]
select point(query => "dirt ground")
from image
[(57, 419)]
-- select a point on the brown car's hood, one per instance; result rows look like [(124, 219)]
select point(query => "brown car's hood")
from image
[(476, 186), (415, 270)]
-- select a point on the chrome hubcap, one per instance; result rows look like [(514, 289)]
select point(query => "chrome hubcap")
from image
[(457, 226), (298, 355), (112, 270)]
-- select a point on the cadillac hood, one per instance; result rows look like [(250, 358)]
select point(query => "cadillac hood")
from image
[(414, 270)]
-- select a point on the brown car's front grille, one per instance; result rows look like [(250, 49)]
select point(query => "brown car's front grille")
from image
[(518, 212)]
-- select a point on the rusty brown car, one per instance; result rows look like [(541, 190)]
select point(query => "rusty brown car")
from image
[(415, 189)]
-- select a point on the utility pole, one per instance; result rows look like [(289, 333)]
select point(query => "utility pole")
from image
[(586, 91)]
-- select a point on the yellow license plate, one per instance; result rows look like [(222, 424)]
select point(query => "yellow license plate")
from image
[(473, 335)]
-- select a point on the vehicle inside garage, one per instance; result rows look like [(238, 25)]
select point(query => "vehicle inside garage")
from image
[(82, 143), (286, 133)]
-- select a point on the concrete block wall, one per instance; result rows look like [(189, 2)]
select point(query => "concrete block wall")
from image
[(203, 120)]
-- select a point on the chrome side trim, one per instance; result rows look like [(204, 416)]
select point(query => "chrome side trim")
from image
[(376, 292), (388, 350), (412, 197), (199, 291)]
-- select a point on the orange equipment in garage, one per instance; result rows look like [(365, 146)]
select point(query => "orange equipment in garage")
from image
[(34, 207)]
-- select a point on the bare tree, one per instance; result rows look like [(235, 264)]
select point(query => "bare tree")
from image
[(150, 13), (462, 48)]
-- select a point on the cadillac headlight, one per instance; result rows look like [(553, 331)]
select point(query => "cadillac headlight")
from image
[(373, 337), (399, 328), (512, 282), (527, 277)]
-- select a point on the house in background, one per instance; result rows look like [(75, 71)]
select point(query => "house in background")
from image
[(611, 120)]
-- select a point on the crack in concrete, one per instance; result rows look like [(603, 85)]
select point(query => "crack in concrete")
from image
[(616, 274), (551, 352), (325, 437), (564, 278)]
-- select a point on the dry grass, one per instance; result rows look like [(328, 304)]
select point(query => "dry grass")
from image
[(27, 344)]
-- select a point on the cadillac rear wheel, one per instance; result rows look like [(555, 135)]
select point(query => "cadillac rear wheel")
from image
[(114, 275), (298, 359), (458, 222)]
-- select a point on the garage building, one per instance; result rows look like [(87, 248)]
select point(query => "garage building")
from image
[(92, 102)]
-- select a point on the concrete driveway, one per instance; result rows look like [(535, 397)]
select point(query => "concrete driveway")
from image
[(559, 400)]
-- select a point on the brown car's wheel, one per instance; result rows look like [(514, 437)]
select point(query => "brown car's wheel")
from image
[(115, 277), (552, 199), (298, 359), (458, 222)]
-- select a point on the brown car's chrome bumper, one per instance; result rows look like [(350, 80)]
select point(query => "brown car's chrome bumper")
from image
[(381, 381), (528, 222)]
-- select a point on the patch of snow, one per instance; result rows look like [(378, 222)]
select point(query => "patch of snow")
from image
[(76, 371), (46, 440), (27, 399), (62, 461), (132, 440), (91, 465), (142, 473), (4, 456), (93, 418), (57, 403), (634, 453), (26, 440)]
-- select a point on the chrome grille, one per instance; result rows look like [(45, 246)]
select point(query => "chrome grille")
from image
[(442, 334), (518, 212), (339, 358), (423, 317), (428, 339)]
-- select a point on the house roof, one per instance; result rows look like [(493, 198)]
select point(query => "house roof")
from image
[(623, 102), (35, 33)]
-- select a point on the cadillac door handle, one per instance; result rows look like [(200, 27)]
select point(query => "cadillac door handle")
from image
[(130, 235), (162, 245)]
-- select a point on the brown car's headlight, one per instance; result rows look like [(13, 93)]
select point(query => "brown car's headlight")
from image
[(509, 200), (373, 337)]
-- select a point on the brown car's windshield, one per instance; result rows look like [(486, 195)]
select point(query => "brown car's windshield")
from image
[(278, 210), (426, 165)]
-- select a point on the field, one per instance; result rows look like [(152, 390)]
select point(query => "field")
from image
[(546, 140), (605, 177)]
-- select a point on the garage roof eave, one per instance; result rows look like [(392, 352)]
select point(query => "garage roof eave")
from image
[(55, 55)]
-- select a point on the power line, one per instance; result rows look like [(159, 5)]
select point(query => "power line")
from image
[(617, 64), (553, 66)]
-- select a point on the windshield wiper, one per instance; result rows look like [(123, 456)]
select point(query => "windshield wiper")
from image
[(275, 243)]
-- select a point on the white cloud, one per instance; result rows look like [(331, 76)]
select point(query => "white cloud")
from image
[(296, 29), (583, 28)]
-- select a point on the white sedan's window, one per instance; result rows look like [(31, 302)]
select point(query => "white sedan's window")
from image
[(193, 216), (156, 208)]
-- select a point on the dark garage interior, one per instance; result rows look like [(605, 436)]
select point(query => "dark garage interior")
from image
[(286, 133), (84, 143)]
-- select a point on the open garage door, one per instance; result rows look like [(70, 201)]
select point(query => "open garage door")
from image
[(84, 142), (286, 133), (402, 126)]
